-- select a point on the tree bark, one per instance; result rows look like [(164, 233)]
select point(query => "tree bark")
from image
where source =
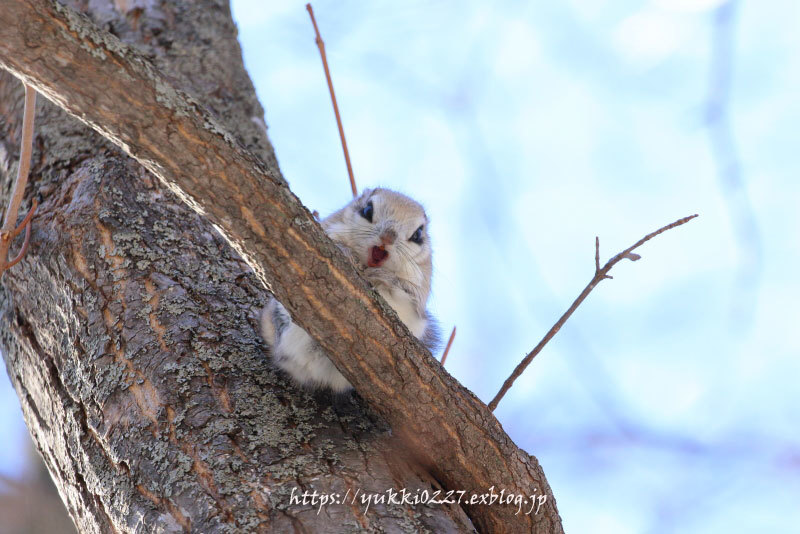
[(129, 329)]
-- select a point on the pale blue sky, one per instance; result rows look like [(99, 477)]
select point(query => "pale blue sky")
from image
[(669, 401)]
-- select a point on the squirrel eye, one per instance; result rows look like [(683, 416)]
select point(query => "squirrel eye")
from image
[(416, 237), (366, 211)]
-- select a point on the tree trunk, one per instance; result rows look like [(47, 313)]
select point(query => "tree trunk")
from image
[(129, 332)]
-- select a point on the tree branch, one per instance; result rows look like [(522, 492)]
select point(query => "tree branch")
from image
[(96, 78), (599, 276), (10, 231), (447, 347), (321, 46)]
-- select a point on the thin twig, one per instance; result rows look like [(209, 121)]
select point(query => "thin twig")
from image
[(596, 253), (10, 230), (25, 243), (321, 46), (24, 224), (24, 160), (449, 343), (600, 274)]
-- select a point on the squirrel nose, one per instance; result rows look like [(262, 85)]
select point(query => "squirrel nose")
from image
[(388, 236)]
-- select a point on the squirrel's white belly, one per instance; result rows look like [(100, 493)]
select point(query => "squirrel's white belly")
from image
[(296, 353), (400, 301)]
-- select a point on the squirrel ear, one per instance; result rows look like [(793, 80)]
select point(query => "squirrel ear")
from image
[(365, 194)]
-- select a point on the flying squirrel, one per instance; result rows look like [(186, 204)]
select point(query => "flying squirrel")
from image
[(386, 235)]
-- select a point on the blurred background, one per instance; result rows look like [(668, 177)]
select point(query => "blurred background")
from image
[(669, 402)]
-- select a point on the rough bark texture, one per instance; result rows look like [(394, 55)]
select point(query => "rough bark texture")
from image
[(129, 329)]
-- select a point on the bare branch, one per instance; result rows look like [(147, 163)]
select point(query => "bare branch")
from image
[(26, 221), (596, 254), (24, 160), (10, 230), (599, 276), (449, 343), (25, 244), (321, 46)]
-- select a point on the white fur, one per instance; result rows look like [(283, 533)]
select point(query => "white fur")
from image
[(407, 268), (296, 353), (401, 303)]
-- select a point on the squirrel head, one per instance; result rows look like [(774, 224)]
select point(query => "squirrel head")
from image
[(386, 230)]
